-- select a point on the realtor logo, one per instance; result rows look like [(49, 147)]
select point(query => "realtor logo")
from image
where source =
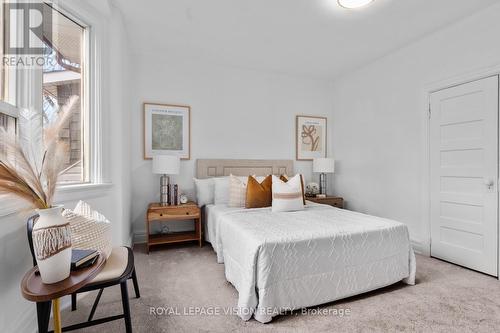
[(28, 24)]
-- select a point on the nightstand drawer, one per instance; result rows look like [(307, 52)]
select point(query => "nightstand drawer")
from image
[(173, 212), (337, 203), (332, 201)]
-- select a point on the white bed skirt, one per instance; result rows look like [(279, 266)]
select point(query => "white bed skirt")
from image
[(280, 262), (317, 290)]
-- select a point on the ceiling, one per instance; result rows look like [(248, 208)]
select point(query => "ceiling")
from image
[(300, 37)]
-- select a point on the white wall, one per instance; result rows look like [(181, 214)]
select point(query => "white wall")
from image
[(119, 126), (235, 113), (17, 314), (379, 118)]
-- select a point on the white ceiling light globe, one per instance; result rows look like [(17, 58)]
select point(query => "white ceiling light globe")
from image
[(352, 4)]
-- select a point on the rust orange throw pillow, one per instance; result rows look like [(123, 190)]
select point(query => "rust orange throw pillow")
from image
[(259, 195), (284, 178)]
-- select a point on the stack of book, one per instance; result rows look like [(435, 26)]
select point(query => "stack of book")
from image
[(83, 258)]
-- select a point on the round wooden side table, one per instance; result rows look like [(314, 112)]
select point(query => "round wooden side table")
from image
[(33, 289)]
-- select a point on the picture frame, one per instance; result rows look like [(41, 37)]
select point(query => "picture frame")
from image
[(310, 137), (167, 130)]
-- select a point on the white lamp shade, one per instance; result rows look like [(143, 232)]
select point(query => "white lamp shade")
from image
[(166, 164), (324, 165)]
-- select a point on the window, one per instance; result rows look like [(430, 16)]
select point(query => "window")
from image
[(66, 72), (63, 77)]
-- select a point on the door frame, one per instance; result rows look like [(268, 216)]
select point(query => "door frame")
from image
[(475, 75)]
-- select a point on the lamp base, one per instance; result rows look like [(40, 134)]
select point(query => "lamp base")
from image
[(164, 190), (322, 184)]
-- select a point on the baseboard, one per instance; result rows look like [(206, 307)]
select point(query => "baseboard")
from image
[(418, 246), (139, 238), (130, 240)]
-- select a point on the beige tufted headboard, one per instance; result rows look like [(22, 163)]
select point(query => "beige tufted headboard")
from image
[(206, 168)]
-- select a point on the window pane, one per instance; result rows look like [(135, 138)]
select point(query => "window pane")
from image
[(63, 78), (8, 123)]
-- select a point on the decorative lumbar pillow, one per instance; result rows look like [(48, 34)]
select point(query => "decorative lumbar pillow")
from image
[(90, 230), (237, 191), (204, 191), (285, 178), (221, 192), (287, 196), (259, 195)]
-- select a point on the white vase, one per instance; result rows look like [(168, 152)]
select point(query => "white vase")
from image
[(52, 245)]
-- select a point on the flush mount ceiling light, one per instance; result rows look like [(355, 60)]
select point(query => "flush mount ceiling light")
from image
[(353, 4)]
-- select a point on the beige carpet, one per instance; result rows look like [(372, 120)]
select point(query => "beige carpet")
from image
[(447, 298)]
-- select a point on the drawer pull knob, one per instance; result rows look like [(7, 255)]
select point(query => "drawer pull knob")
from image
[(187, 213), (161, 214)]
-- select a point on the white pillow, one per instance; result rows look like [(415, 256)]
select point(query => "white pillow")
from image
[(90, 230), (237, 191), (221, 191), (204, 191), (221, 195), (287, 197)]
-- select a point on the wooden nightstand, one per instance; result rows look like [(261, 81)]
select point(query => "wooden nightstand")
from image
[(188, 211), (332, 201)]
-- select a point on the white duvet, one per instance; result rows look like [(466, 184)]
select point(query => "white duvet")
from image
[(292, 260)]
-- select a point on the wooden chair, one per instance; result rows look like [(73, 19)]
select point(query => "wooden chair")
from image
[(118, 269)]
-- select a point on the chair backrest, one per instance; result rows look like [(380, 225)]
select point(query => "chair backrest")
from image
[(29, 230)]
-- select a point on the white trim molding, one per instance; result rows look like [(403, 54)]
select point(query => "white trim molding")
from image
[(9, 109), (11, 206), (139, 237), (95, 38), (418, 247), (468, 76), (82, 191)]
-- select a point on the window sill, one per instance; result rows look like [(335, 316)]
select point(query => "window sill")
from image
[(67, 193), (9, 109), (10, 206)]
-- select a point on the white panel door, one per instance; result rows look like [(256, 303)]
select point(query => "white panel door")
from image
[(464, 175)]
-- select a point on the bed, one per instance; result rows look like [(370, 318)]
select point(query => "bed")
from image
[(285, 261)]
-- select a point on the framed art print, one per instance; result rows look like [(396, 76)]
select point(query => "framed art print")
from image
[(310, 137), (167, 130)]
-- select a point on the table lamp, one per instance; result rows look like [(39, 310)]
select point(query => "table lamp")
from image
[(323, 166), (165, 165)]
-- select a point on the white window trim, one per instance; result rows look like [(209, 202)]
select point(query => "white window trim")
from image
[(91, 86), (9, 109), (29, 95), (24, 91)]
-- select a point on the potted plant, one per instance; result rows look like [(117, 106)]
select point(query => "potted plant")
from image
[(32, 177)]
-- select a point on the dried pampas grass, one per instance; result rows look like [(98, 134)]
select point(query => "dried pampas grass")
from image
[(27, 175)]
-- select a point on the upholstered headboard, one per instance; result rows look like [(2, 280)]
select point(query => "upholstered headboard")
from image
[(206, 168)]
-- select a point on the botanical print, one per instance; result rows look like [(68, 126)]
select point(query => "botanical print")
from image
[(166, 132), (311, 137)]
